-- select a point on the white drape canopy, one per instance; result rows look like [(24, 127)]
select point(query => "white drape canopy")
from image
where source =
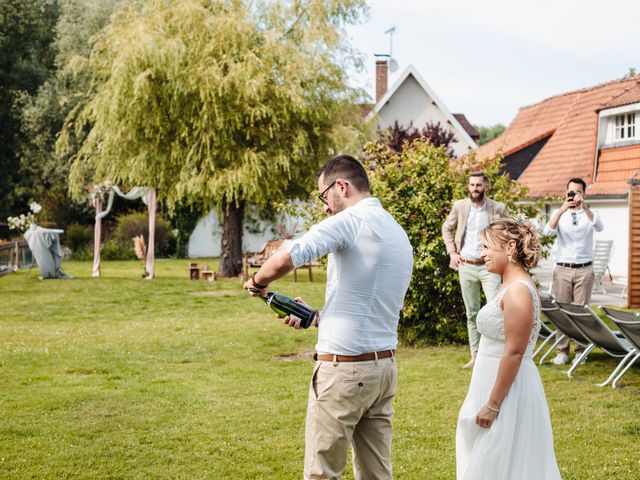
[(148, 196), (134, 194)]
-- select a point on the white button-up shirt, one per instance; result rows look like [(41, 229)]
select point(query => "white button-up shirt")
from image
[(368, 273), (575, 236), (478, 220)]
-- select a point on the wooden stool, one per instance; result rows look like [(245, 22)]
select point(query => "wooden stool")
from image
[(194, 271), (208, 276)]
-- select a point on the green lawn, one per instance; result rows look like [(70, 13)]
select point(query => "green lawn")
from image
[(124, 378)]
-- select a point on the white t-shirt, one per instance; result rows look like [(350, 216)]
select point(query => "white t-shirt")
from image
[(478, 220)]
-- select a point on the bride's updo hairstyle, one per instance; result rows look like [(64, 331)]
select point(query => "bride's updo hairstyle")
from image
[(500, 232)]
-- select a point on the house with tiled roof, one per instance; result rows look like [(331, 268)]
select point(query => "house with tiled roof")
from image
[(592, 133), (411, 101)]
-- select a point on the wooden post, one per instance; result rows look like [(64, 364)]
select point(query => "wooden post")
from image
[(633, 274), (150, 264), (17, 250), (97, 237)]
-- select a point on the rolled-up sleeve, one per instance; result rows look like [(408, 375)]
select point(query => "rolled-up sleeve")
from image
[(335, 233), (597, 224), (548, 231)]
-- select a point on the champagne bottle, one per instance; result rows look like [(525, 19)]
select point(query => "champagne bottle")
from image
[(284, 306)]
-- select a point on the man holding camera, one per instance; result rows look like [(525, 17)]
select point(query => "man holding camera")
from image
[(573, 223)]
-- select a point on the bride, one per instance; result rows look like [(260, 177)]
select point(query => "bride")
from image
[(504, 430)]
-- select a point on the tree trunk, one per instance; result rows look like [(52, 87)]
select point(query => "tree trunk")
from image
[(231, 245)]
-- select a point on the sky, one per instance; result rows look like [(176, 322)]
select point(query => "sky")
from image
[(487, 58)]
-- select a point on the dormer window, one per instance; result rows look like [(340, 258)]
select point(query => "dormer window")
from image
[(625, 126)]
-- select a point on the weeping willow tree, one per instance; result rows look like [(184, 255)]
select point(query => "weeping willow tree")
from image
[(223, 102)]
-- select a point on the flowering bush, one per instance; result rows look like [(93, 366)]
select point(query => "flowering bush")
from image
[(22, 222)]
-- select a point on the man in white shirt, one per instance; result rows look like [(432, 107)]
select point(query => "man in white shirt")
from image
[(461, 233), (574, 224), (368, 273)]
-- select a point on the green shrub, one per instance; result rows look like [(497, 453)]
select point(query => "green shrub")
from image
[(137, 223), (112, 250), (418, 186), (79, 238)]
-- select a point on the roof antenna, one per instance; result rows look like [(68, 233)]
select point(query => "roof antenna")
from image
[(393, 63)]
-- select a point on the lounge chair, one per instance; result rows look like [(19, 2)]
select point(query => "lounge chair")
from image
[(599, 335), (629, 324), (546, 332), (566, 327)]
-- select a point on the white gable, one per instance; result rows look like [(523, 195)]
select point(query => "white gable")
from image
[(410, 99)]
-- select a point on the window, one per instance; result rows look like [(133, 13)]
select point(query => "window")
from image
[(625, 126)]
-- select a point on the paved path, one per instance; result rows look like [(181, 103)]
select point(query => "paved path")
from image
[(612, 297)]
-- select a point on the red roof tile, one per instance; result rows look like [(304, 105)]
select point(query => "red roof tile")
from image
[(571, 121), (631, 95), (615, 167)]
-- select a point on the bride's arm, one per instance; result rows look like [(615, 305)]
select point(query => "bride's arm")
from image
[(517, 306)]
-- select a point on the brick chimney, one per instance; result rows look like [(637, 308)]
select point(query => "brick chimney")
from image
[(382, 74)]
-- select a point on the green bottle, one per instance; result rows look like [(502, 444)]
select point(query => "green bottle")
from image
[(287, 306)]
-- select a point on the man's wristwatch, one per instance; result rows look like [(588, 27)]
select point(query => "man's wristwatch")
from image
[(256, 284)]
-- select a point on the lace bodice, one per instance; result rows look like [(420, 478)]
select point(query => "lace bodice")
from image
[(490, 319)]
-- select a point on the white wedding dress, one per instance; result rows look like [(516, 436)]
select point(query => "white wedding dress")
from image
[(519, 444)]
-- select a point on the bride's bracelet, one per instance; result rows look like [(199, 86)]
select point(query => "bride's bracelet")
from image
[(497, 410)]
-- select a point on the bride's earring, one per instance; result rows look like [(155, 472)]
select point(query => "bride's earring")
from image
[(510, 259)]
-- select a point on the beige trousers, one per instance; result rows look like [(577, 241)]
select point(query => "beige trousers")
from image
[(350, 403), (572, 285)]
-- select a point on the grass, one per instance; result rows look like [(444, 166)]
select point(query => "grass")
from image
[(123, 378)]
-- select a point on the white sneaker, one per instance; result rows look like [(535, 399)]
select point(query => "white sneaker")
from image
[(561, 359)]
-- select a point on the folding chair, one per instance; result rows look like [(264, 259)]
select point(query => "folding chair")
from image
[(600, 335), (566, 327), (629, 325), (601, 255)]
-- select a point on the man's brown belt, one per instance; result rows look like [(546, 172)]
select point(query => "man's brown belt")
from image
[(365, 357), (472, 262)]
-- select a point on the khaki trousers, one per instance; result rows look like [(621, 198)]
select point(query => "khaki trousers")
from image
[(350, 403), (572, 285), (472, 277)]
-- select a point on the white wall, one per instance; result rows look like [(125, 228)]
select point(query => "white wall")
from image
[(411, 103), (615, 216), (206, 237)]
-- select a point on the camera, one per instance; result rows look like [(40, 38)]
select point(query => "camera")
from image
[(570, 195)]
